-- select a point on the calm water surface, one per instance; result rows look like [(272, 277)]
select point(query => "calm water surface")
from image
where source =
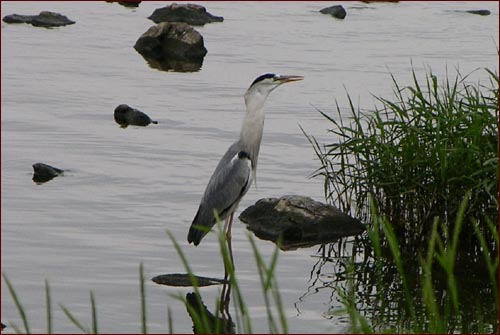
[(90, 229)]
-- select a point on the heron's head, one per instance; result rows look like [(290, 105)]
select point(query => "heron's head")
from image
[(265, 84), (269, 81)]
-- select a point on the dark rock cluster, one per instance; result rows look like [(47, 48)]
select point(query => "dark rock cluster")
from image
[(44, 19)]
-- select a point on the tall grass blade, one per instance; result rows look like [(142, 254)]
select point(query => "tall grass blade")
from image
[(396, 253), (269, 283), (19, 306), (436, 324), (242, 316), (201, 320), (492, 265), (93, 311), (261, 267), (170, 321), (48, 307), (144, 325), (73, 319)]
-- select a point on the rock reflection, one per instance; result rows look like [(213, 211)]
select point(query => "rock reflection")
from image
[(331, 272), (173, 65)]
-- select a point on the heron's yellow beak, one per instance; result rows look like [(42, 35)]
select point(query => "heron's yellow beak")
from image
[(288, 79)]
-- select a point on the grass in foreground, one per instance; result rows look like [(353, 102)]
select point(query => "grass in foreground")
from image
[(203, 320)]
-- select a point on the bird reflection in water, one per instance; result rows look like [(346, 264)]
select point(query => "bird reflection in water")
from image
[(205, 322)]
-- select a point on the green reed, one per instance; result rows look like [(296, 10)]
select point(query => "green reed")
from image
[(421, 170), (19, 306), (417, 155), (426, 309)]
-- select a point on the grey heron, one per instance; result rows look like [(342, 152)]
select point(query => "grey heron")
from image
[(236, 170)]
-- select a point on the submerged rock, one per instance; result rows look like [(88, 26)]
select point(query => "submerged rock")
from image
[(16, 18), (172, 46), (182, 279), (192, 14), (483, 12), (336, 11), (44, 19), (300, 221), (127, 116), (43, 173), (127, 3)]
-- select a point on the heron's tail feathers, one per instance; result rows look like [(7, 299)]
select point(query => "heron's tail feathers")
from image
[(197, 230), (195, 235)]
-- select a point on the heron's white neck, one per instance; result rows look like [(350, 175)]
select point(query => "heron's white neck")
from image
[(253, 124), (251, 132)]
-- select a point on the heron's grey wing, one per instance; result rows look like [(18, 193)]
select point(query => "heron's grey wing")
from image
[(229, 182)]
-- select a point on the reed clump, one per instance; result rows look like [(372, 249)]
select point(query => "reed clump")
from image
[(421, 170), (418, 155)]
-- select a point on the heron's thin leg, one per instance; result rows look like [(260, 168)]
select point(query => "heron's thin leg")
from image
[(228, 238), (224, 299), (222, 306), (226, 289), (227, 229)]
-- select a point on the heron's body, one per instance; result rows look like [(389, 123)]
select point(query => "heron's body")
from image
[(233, 171), (237, 168)]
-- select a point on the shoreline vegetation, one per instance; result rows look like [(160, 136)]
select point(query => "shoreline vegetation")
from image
[(422, 171)]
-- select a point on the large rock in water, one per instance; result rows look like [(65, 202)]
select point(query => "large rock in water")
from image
[(301, 221), (127, 116), (42, 173), (192, 14), (44, 19), (336, 11), (172, 46)]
